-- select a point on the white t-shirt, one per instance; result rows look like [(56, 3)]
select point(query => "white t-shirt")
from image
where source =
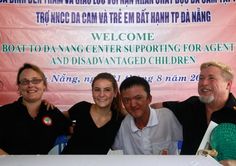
[(160, 136)]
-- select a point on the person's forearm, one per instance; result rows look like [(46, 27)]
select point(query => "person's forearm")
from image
[(228, 162), (66, 114), (2, 152), (157, 105)]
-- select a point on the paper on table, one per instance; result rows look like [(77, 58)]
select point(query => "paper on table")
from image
[(206, 139)]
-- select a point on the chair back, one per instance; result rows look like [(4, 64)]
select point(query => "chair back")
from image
[(59, 145)]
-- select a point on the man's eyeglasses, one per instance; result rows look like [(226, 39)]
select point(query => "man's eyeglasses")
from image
[(33, 81)]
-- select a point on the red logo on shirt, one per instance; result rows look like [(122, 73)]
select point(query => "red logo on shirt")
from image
[(47, 121)]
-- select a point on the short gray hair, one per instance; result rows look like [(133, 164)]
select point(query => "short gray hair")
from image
[(226, 71)]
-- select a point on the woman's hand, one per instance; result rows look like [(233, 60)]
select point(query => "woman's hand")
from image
[(48, 104)]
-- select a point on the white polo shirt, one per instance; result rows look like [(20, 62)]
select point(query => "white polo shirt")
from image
[(160, 136)]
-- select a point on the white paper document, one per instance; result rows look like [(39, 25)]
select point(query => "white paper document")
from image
[(206, 139)]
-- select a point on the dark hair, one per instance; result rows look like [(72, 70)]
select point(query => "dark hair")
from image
[(116, 103), (135, 80), (33, 67)]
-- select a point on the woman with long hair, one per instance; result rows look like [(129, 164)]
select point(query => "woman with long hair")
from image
[(96, 123)]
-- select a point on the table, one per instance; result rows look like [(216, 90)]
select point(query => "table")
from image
[(106, 160)]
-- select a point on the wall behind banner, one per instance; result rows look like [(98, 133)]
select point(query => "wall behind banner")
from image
[(164, 41)]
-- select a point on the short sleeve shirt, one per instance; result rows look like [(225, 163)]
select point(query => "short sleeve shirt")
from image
[(87, 137), (191, 113), (162, 132), (21, 134)]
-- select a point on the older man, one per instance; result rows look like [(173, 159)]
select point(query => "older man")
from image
[(214, 103)]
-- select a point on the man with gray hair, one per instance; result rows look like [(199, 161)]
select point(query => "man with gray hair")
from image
[(214, 103)]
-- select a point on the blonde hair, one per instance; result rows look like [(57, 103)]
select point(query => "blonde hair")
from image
[(226, 71), (33, 67)]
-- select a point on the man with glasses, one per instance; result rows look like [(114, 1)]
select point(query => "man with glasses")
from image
[(26, 127), (145, 130)]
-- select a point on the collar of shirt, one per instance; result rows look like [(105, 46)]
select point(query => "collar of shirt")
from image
[(231, 102), (153, 120)]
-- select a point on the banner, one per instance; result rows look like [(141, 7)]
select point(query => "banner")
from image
[(164, 41)]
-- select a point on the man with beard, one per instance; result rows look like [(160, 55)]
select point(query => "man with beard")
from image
[(214, 103)]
